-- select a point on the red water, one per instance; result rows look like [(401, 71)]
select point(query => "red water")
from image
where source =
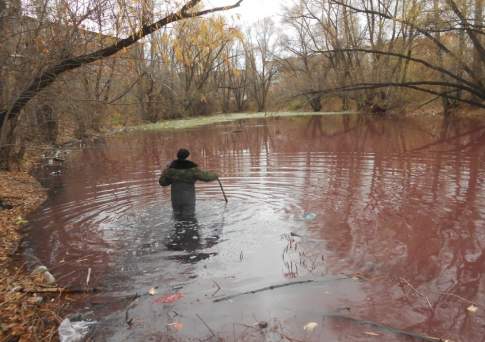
[(387, 216)]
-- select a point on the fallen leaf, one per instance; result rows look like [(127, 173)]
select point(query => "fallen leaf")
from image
[(472, 308), (169, 298), (371, 333), (152, 291), (310, 326)]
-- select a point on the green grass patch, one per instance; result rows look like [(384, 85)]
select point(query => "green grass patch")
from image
[(221, 118)]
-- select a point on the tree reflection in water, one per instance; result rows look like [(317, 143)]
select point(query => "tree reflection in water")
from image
[(397, 201)]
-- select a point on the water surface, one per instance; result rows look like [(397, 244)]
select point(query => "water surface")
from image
[(387, 216)]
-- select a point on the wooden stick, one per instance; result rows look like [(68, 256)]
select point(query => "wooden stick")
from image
[(459, 297), (272, 287), (206, 325), (222, 189), (419, 293)]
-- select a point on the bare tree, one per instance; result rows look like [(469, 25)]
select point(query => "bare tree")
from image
[(375, 46), (260, 50), (307, 72), (53, 63), (232, 77)]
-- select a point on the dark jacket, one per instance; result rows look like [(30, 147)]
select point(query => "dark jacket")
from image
[(182, 175)]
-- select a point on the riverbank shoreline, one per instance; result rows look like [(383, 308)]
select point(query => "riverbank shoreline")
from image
[(193, 122), (24, 315)]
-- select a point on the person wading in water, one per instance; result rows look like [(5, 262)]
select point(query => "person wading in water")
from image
[(182, 174)]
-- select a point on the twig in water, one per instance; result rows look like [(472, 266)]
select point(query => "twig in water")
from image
[(207, 326), (129, 321), (272, 287), (286, 337), (386, 328), (222, 189), (419, 293), (218, 288), (457, 296)]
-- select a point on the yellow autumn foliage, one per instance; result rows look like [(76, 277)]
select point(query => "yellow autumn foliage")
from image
[(199, 38)]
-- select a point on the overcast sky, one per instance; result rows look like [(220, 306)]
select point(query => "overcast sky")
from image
[(252, 10)]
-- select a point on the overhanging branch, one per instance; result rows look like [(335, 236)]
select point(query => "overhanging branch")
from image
[(424, 32), (410, 85), (48, 76), (470, 87)]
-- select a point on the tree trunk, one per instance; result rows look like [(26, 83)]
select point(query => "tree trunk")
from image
[(439, 55), (477, 58), (316, 103), (9, 114)]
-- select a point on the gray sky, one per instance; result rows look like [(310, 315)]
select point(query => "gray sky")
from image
[(252, 10)]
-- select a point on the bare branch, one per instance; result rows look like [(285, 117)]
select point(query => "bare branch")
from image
[(411, 85), (475, 40), (50, 74), (471, 86), (424, 32)]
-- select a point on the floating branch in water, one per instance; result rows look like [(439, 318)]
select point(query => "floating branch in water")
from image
[(419, 293), (206, 325), (272, 287)]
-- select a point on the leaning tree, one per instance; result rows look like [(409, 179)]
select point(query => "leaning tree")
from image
[(11, 110)]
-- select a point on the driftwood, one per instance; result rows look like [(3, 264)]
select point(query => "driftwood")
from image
[(272, 287)]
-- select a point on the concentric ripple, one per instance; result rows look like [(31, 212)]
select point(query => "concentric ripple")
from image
[(307, 197)]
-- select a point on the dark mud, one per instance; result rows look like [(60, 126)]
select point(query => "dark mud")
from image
[(385, 216)]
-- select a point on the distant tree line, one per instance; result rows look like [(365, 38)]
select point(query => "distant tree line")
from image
[(372, 53)]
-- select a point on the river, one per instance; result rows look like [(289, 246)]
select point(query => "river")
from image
[(384, 219)]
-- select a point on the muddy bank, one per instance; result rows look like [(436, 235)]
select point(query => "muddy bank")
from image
[(24, 316), (225, 118)]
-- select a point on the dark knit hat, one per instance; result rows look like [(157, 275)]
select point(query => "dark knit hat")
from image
[(182, 154)]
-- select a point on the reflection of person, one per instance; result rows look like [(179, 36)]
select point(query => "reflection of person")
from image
[(187, 237), (182, 174)]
